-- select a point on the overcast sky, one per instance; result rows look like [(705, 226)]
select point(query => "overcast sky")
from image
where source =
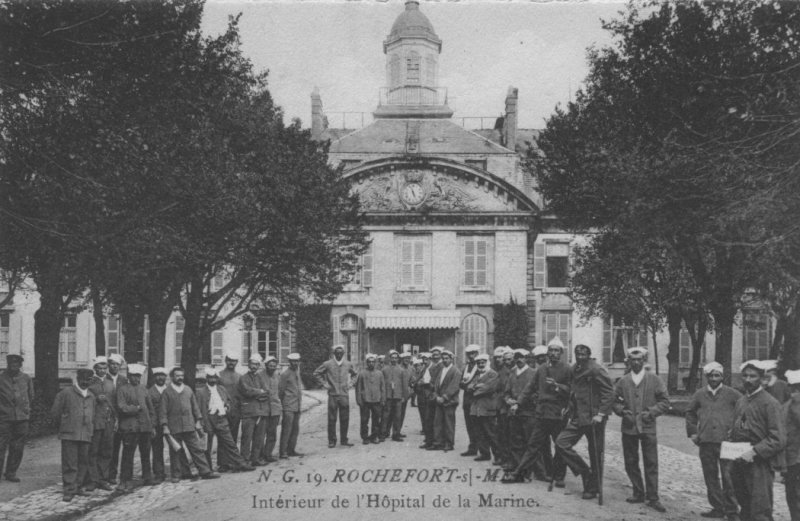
[(538, 47)]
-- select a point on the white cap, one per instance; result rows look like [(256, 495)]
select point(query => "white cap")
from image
[(136, 369), (500, 350), (337, 346), (637, 351), (793, 377), (381, 357), (405, 354), (769, 365), (415, 361), (210, 371), (393, 352), (539, 350), (424, 355), (555, 342), (472, 348), (232, 354), (713, 366), (99, 360), (160, 370), (270, 359), (482, 356), (255, 357), (521, 352), (371, 356), (293, 356), (751, 363), (116, 358), (438, 349), (448, 352)]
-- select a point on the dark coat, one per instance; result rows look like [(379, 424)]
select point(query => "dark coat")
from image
[(550, 400), (334, 377), (395, 382), (632, 402), (136, 410), (515, 387), (710, 416), (179, 411), (16, 396), (203, 400), (449, 388), (254, 395), (105, 414), (272, 385), (289, 390), (484, 387), (780, 391), (758, 419), (592, 393), (155, 399), (791, 415), (74, 414), (370, 387), (230, 381)]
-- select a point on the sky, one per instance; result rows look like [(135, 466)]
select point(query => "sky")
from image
[(488, 46)]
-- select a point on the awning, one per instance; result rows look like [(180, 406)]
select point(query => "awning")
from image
[(413, 319)]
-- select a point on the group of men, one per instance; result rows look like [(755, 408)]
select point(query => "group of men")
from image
[(104, 410)]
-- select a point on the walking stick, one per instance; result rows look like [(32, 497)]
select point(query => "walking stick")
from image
[(599, 455)]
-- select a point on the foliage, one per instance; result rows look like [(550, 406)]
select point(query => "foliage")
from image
[(313, 339), (511, 325)]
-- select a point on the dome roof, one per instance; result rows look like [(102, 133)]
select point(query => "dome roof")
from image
[(412, 24)]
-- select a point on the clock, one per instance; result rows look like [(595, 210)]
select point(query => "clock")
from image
[(413, 194)]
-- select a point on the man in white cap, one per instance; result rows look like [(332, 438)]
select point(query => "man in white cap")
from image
[(503, 367), (641, 397), (484, 387), (470, 369), (157, 444), (104, 420), (291, 396), (73, 411), (271, 379), (395, 383), (772, 384), (709, 416), (427, 382), (757, 420), (115, 363), (420, 364), (229, 379), (521, 414), (136, 415), (16, 397), (405, 365), (370, 398), (791, 415), (334, 375), (255, 410), (445, 392), (214, 404)]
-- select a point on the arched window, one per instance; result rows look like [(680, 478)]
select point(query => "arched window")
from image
[(474, 330), (394, 71), (412, 67)]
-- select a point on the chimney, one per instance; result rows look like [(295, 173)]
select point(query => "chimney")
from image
[(509, 137), (317, 117)]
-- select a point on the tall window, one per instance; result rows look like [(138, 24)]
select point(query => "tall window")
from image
[(267, 335), (180, 323), (349, 329), (67, 341), (474, 330), (685, 343), (113, 334), (430, 71), (412, 68), (146, 339), (4, 334), (363, 276), (414, 263), (557, 262), (476, 255), (757, 333), (618, 338), (216, 348), (394, 71), (557, 323)]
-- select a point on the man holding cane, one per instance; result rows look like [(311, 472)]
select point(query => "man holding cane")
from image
[(591, 402)]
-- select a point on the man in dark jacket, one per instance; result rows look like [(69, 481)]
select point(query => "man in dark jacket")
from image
[(157, 443), (757, 420), (445, 392), (255, 410), (135, 425), (791, 415), (708, 418), (370, 398), (229, 379), (291, 396), (426, 385), (73, 413), (16, 397), (273, 419), (334, 375), (105, 418), (590, 405), (395, 390), (115, 363), (520, 416), (772, 384), (484, 387), (470, 368)]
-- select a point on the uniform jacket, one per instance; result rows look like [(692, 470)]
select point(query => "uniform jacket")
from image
[(632, 401), (334, 377), (272, 384), (179, 411), (254, 395), (425, 390), (395, 382), (136, 410), (447, 389), (105, 413), (155, 399), (467, 375), (592, 393), (758, 419), (514, 388), (120, 381), (74, 414), (203, 400), (710, 416), (16, 396), (289, 390), (230, 381), (409, 388), (484, 387), (550, 400), (503, 374), (791, 415), (780, 391), (370, 387)]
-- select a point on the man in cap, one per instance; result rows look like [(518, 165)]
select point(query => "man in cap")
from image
[(395, 385), (405, 364), (641, 397), (73, 413), (370, 398), (470, 369), (708, 418), (289, 392), (521, 413), (549, 388), (427, 385), (115, 363), (16, 397), (445, 391), (381, 362), (229, 379), (791, 415), (503, 366), (104, 418), (757, 420), (273, 419), (484, 386), (419, 390), (255, 410), (772, 384), (214, 404), (334, 375), (591, 403), (157, 444), (135, 426), (180, 417)]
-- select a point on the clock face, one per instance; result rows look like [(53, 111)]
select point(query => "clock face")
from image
[(413, 193)]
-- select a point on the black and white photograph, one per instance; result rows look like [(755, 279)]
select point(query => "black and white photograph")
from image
[(442, 259)]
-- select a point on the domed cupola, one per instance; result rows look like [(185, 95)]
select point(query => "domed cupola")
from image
[(412, 23)]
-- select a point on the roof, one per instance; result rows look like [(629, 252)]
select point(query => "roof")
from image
[(430, 136), (411, 23)]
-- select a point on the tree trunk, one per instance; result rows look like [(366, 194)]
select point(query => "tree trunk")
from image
[(99, 323), (158, 334), (192, 331), (697, 332), (47, 329), (133, 336), (674, 348), (723, 348), (777, 340)]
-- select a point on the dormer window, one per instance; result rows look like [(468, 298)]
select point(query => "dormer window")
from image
[(412, 68)]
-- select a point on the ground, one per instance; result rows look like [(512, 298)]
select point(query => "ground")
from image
[(361, 482)]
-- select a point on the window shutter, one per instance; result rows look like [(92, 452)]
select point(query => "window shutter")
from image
[(538, 265), (179, 325), (366, 271), (336, 334), (469, 261), (112, 335), (420, 275), (406, 263), (246, 336), (607, 340), (216, 347), (284, 338), (481, 263)]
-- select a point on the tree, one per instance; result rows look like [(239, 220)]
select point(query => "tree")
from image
[(511, 325)]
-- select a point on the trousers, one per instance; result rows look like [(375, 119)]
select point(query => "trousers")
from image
[(630, 451), (74, 464), (752, 485), (12, 439), (227, 453), (271, 435), (131, 440), (538, 446), (254, 430), (100, 449), (197, 452), (717, 475), (595, 439), (290, 429), (338, 406), (370, 411), (391, 421)]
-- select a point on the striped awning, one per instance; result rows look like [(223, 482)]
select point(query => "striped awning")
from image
[(413, 319)]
